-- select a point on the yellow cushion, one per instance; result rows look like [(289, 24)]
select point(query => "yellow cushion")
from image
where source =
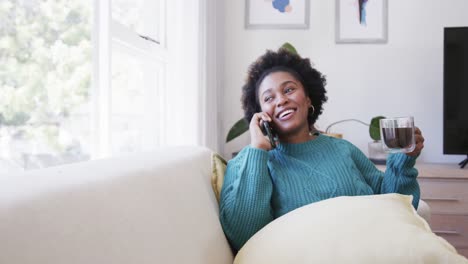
[(218, 167), (361, 229)]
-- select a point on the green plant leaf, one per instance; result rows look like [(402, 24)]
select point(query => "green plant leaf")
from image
[(289, 47), (374, 128), (239, 128)]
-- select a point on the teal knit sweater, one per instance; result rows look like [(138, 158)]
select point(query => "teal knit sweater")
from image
[(260, 185)]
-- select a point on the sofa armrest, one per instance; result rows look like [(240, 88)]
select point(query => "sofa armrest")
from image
[(424, 210), (151, 207)]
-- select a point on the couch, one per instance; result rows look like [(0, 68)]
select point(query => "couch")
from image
[(154, 207)]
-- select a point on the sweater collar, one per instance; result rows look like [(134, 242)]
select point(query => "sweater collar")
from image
[(296, 148)]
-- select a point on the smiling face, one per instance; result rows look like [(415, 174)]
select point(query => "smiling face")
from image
[(283, 97)]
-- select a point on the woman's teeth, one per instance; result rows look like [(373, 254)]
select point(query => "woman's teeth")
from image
[(285, 113)]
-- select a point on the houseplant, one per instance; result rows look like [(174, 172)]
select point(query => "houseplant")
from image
[(376, 153)]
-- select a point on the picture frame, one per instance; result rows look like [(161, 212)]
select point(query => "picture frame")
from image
[(277, 14), (361, 21)]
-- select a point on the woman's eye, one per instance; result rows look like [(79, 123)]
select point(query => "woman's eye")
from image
[(268, 98), (289, 89)]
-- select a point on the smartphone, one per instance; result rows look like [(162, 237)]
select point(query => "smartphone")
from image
[(267, 130)]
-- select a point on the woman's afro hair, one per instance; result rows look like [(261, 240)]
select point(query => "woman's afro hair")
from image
[(283, 60)]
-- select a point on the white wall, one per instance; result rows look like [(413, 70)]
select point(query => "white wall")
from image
[(402, 77)]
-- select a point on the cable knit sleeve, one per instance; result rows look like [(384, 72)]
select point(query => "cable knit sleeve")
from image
[(245, 197), (399, 177)]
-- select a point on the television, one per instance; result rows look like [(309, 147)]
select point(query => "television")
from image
[(455, 102)]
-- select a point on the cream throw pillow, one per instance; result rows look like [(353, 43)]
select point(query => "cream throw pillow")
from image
[(361, 229), (218, 167)]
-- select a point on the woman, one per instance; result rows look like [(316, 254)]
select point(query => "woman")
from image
[(262, 183)]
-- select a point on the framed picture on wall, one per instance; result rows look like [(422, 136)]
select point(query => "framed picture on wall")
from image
[(361, 21), (277, 14)]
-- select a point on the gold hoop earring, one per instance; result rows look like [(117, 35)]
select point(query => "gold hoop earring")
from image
[(313, 109)]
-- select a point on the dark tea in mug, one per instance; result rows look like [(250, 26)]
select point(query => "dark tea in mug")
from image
[(398, 137), (397, 134)]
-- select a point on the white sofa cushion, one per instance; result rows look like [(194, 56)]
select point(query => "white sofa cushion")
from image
[(156, 207)]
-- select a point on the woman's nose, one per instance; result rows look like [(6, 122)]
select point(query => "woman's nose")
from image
[(282, 99)]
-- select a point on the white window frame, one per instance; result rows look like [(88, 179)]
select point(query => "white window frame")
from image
[(108, 33)]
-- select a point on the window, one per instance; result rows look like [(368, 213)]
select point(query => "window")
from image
[(136, 83), (130, 112), (140, 16), (80, 79), (45, 78)]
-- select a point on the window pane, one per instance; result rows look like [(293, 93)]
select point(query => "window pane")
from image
[(142, 16), (45, 77), (134, 85)]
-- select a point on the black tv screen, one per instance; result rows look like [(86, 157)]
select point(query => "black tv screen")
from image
[(456, 90)]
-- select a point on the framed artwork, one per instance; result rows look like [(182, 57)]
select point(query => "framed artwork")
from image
[(277, 14), (361, 21)]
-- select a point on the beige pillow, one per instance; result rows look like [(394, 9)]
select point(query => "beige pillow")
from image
[(361, 229), (218, 167)]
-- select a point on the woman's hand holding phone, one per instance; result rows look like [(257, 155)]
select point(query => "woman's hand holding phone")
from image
[(257, 138)]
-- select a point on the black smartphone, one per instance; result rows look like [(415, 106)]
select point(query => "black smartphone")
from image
[(267, 130)]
